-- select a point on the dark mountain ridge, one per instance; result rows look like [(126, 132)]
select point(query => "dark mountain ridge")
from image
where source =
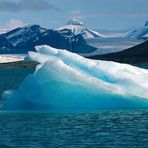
[(22, 40)]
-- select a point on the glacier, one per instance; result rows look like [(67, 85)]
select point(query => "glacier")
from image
[(68, 81)]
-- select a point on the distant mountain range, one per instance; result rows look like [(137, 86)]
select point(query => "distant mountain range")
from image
[(134, 55), (74, 36), (140, 33), (22, 40)]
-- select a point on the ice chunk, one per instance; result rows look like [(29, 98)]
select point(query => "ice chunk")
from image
[(67, 81)]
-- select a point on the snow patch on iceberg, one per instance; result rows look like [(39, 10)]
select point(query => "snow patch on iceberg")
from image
[(67, 81)]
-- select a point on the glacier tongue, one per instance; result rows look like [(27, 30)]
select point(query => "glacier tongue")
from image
[(65, 80)]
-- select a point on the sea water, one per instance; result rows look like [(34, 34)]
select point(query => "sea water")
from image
[(101, 129)]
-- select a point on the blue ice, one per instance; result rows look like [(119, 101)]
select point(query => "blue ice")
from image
[(68, 81)]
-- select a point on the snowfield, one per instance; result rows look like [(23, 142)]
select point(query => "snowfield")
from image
[(6, 58), (67, 81)]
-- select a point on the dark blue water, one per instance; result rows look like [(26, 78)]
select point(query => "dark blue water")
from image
[(115, 129)]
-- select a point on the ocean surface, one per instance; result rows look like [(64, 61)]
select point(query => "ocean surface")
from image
[(98, 129)]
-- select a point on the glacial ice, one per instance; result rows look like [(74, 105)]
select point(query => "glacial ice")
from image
[(67, 81)]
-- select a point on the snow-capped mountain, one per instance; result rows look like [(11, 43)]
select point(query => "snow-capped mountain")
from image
[(23, 34), (26, 38), (77, 27), (140, 33)]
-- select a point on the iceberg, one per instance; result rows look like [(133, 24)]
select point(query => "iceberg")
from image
[(68, 81)]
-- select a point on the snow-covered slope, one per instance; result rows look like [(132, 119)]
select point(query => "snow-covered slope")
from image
[(139, 33), (146, 35), (24, 34), (67, 81), (5, 45), (77, 27)]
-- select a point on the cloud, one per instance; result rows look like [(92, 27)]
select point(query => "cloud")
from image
[(12, 24), (79, 15), (126, 15), (26, 5), (76, 14)]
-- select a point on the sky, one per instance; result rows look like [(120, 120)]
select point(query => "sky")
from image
[(96, 14)]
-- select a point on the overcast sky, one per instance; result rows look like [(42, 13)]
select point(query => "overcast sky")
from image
[(110, 14)]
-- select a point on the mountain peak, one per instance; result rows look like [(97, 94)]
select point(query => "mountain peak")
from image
[(139, 33), (75, 22), (77, 27), (32, 26)]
